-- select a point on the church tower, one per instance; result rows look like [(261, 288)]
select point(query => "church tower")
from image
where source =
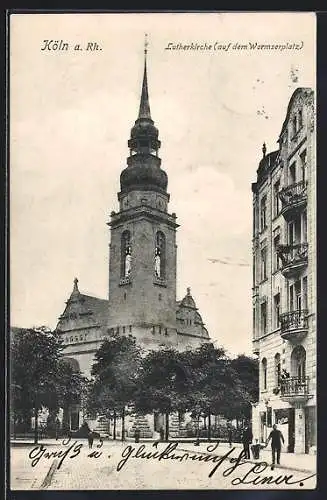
[(142, 260)]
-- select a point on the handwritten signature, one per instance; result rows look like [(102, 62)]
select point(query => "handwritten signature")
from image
[(252, 476)]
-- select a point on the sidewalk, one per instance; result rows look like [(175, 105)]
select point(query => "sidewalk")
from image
[(301, 463)]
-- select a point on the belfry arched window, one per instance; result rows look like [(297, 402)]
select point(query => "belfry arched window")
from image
[(160, 255), (126, 254)]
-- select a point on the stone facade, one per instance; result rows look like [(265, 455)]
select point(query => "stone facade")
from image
[(284, 280)]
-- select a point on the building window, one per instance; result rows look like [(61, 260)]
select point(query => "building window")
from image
[(294, 125), (159, 296), (166, 331), (126, 254), (160, 329), (304, 227), (277, 310), (153, 330), (298, 362), (263, 263), (130, 328), (263, 314), (305, 292), (277, 369), (264, 373), (160, 255), (263, 213), (292, 174), (123, 329), (125, 296), (253, 320), (303, 158), (276, 255), (117, 330), (276, 207)]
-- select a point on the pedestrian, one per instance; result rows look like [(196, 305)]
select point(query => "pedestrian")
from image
[(137, 434), (247, 440), (90, 438), (230, 435), (277, 439), (162, 434)]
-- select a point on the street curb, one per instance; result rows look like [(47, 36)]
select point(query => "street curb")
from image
[(48, 478), (287, 467)]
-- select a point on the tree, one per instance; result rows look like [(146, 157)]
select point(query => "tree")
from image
[(212, 383), (71, 387), (247, 372), (115, 371), (162, 384), (35, 354)]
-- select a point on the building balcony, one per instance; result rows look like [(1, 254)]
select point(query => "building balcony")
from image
[(295, 389), (293, 258), (293, 198), (294, 325)]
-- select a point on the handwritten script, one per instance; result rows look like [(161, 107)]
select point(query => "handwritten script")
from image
[(248, 473)]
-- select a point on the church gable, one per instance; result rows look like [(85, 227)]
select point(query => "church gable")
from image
[(189, 320), (82, 312)]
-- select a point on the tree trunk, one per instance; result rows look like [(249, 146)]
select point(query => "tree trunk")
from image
[(114, 431), (209, 426), (123, 424), (167, 427), (36, 424)]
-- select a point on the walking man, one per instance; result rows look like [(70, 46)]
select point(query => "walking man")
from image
[(230, 435), (90, 438), (277, 439), (247, 438)]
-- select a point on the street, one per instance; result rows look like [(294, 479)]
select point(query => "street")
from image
[(73, 466)]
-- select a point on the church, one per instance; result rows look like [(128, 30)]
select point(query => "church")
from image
[(142, 264)]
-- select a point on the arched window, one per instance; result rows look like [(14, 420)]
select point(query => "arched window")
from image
[(126, 254), (298, 358), (277, 369), (264, 373), (160, 255)]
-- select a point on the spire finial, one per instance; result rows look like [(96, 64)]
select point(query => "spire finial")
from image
[(188, 289), (264, 149), (75, 285), (146, 43), (144, 111)]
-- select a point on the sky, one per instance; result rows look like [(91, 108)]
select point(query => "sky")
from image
[(70, 118)]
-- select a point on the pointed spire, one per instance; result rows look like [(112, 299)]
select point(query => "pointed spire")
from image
[(144, 111), (188, 290)]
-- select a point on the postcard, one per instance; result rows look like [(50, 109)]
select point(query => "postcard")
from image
[(162, 183)]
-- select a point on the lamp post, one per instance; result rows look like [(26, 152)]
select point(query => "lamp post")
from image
[(266, 426)]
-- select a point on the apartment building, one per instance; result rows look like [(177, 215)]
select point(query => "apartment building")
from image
[(284, 280)]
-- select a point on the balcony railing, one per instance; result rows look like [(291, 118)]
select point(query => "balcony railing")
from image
[(294, 324), (295, 388), (293, 196), (293, 257)]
